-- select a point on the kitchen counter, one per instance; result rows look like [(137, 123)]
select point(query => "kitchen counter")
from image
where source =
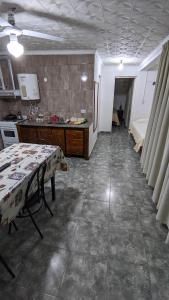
[(45, 124), (73, 139)]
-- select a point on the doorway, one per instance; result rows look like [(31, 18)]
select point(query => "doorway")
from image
[(123, 94)]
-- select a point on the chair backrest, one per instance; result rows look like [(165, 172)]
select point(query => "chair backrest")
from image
[(36, 182)]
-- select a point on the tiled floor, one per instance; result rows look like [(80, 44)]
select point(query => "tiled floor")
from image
[(103, 241)]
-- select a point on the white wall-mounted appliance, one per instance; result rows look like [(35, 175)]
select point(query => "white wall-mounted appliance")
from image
[(28, 85)]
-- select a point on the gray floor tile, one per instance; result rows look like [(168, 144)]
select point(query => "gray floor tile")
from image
[(127, 245), (152, 228), (126, 216), (43, 270), (91, 237), (103, 242), (16, 292), (38, 296), (98, 192), (128, 281), (159, 276), (95, 210), (85, 278), (155, 249), (59, 232)]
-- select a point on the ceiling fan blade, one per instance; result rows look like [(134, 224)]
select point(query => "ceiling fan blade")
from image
[(20, 8), (42, 35), (4, 23)]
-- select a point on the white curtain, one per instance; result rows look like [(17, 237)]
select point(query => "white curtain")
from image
[(161, 190), (155, 155)]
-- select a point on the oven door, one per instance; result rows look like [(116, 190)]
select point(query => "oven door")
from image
[(9, 135)]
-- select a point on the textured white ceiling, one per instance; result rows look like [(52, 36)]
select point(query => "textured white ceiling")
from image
[(116, 28)]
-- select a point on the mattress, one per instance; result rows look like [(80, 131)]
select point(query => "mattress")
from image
[(138, 130)]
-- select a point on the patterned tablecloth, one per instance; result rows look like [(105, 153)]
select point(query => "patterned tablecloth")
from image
[(24, 159)]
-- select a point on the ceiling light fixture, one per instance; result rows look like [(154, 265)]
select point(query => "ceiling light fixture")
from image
[(14, 47), (120, 67), (84, 77)]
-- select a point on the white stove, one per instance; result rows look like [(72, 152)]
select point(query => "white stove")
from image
[(9, 132)]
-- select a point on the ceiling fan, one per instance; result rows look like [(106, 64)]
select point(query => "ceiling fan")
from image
[(9, 29)]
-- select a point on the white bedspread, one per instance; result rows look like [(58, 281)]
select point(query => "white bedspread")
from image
[(138, 130)]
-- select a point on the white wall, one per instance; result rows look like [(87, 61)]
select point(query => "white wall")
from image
[(97, 77), (109, 72), (97, 67), (149, 93), (143, 95)]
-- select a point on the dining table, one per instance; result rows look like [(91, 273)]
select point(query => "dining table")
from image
[(18, 162)]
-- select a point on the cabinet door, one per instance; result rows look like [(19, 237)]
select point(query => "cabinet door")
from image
[(74, 142), (58, 138), (28, 135), (44, 135)]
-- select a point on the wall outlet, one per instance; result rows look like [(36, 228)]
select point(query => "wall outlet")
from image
[(83, 111), (45, 79)]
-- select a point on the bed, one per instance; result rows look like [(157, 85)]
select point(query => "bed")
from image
[(138, 130)]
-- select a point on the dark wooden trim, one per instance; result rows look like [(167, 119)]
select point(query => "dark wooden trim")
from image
[(86, 143)]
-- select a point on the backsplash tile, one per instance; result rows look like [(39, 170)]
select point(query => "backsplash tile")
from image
[(64, 93)]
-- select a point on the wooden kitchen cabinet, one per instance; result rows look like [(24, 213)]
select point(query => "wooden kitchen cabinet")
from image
[(44, 135), (58, 138), (27, 136), (77, 142), (73, 142)]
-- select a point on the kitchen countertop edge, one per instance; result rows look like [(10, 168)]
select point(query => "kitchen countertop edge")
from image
[(36, 124)]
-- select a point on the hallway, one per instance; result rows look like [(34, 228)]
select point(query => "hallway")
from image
[(106, 243)]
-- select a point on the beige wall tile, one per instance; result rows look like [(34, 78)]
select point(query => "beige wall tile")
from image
[(63, 93)]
